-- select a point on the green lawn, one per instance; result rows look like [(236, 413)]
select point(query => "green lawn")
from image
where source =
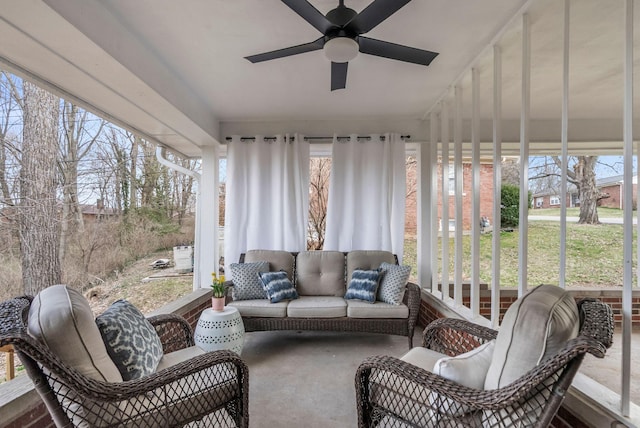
[(594, 255), (575, 212)]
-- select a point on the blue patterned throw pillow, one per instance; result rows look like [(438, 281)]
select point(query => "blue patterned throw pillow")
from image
[(394, 281), (363, 285), (278, 286), (130, 339), (246, 282)]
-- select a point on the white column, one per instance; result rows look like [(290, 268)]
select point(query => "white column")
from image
[(444, 134), (564, 138), (524, 155), (627, 292), (459, 174), (433, 149), (497, 185), (425, 231), (206, 253), (475, 192)]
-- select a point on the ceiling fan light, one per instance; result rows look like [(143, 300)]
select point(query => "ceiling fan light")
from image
[(341, 49)]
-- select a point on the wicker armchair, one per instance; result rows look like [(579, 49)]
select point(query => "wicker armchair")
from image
[(393, 393), (210, 389)]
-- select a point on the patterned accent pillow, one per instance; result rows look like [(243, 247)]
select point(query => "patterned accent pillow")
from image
[(278, 286), (393, 284), (130, 339), (363, 285), (246, 282)]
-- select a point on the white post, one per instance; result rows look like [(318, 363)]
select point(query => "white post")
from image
[(524, 155), (444, 133), (207, 254), (433, 149), (565, 148), (475, 192), (425, 231), (459, 174), (497, 184)]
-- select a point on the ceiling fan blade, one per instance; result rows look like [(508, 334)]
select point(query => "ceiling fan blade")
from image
[(374, 14), (293, 50), (309, 14), (339, 75), (394, 51)]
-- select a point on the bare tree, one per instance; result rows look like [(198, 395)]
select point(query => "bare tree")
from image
[(39, 225), (319, 171), (79, 137)]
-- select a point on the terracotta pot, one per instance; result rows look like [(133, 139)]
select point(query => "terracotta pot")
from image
[(217, 304)]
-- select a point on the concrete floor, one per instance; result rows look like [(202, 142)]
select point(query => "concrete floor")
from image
[(307, 378)]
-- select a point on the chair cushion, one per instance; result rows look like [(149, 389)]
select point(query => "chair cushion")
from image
[(317, 307), (393, 282), (261, 308), (278, 286), (363, 285), (62, 318), (534, 328), (278, 260), (367, 259), (360, 309), (173, 358), (131, 340), (320, 273), (246, 282)]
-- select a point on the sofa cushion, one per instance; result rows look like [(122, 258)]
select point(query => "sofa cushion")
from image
[(261, 308), (278, 260), (360, 309), (317, 307), (131, 340), (278, 286), (367, 259), (363, 285), (534, 327), (320, 273), (246, 282), (62, 318), (393, 282)]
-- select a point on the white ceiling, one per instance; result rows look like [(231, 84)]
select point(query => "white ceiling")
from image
[(175, 70)]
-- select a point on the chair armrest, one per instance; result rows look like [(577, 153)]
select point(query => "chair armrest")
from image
[(174, 331), (455, 336)]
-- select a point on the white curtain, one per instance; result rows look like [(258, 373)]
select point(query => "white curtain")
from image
[(267, 195), (367, 195)]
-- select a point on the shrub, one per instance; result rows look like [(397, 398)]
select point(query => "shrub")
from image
[(510, 212)]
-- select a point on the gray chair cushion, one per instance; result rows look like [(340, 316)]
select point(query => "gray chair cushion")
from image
[(320, 273), (535, 327), (62, 318)]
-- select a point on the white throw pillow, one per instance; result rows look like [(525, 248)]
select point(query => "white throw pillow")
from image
[(468, 369)]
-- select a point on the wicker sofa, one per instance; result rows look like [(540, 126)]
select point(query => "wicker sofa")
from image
[(321, 279)]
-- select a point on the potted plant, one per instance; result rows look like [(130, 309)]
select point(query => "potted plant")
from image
[(219, 292)]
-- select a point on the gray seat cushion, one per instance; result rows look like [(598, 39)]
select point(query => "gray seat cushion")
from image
[(261, 308), (360, 309), (317, 307)]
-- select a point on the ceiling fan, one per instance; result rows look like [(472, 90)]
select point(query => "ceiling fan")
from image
[(342, 39)]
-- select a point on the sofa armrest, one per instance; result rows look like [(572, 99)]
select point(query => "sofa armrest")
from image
[(412, 300)]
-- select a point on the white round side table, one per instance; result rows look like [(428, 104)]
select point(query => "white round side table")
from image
[(220, 330)]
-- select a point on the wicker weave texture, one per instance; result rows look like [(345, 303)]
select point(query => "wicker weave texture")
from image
[(207, 390), (393, 393)]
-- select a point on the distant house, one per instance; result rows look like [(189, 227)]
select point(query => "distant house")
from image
[(611, 190), (97, 212)]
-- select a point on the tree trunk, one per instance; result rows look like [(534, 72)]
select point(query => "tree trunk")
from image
[(586, 179), (39, 223)]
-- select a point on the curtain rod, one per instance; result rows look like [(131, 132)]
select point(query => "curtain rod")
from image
[(318, 139)]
